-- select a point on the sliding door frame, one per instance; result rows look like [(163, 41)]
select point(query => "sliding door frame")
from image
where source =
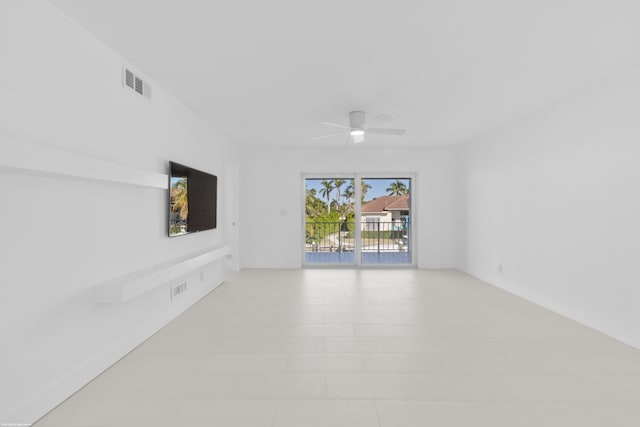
[(357, 179), (352, 176)]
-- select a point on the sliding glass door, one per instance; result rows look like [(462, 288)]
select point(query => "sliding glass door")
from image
[(329, 221), (385, 221), (354, 220)]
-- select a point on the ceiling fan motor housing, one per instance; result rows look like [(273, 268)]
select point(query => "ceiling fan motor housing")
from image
[(356, 119)]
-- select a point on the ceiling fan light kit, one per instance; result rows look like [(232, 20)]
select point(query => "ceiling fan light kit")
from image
[(358, 127)]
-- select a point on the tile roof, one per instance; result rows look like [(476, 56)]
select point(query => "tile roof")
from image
[(387, 203)]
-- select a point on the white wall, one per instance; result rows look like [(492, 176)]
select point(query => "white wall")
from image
[(555, 200), (272, 201), (60, 87)]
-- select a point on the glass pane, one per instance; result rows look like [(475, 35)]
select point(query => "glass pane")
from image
[(329, 221), (386, 221)]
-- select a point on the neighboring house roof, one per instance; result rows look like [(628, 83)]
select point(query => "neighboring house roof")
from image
[(387, 203)]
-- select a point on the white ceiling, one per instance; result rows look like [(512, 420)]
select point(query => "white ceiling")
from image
[(266, 73)]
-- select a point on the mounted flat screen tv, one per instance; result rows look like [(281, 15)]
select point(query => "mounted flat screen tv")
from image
[(192, 200)]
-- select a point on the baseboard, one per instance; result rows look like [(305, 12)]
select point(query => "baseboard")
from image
[(557, 308), (437, 267), (57, 392)]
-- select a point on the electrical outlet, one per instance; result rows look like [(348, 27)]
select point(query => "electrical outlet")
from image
[(500, 269)]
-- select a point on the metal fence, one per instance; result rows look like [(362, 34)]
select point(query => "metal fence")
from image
[(177, 226), (340, 236)]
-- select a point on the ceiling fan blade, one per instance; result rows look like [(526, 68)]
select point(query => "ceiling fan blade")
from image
[(357, 139), (380, 120), (330, 135), (386, 131), (335, 125)]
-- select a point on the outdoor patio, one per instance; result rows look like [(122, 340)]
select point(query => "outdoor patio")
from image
[(349, 258)]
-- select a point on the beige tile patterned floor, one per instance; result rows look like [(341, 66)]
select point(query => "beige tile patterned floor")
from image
[(364, 348)]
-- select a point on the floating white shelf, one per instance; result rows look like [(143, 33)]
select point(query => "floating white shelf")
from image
[(127, 287), (41, 160), (25, 157)]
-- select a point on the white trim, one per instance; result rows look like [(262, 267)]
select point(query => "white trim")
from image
[(357, 226), (25, 157)]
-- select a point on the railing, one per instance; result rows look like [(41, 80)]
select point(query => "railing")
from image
[(177, 226), (340, 236), (382, 236)]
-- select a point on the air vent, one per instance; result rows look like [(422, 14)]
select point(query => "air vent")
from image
[(136, 84), (176, 290), (128, 78), (139, 86)]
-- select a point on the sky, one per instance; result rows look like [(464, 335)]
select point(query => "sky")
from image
[(175, 179), (378, 185)]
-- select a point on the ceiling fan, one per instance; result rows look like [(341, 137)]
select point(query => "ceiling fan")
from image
[(358, 127)]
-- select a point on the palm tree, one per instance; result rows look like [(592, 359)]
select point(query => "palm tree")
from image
[(348, 194), (337, 183), (179, 198), (397, 188), (364, 187), (313, 205), (325, 191)]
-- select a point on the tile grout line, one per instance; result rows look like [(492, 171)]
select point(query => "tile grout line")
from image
[(275, 413), (375, 407), (481, 416)]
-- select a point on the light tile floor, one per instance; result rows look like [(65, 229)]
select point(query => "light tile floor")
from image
[(364, 348)]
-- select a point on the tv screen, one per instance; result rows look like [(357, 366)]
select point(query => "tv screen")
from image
[(192, 200)]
